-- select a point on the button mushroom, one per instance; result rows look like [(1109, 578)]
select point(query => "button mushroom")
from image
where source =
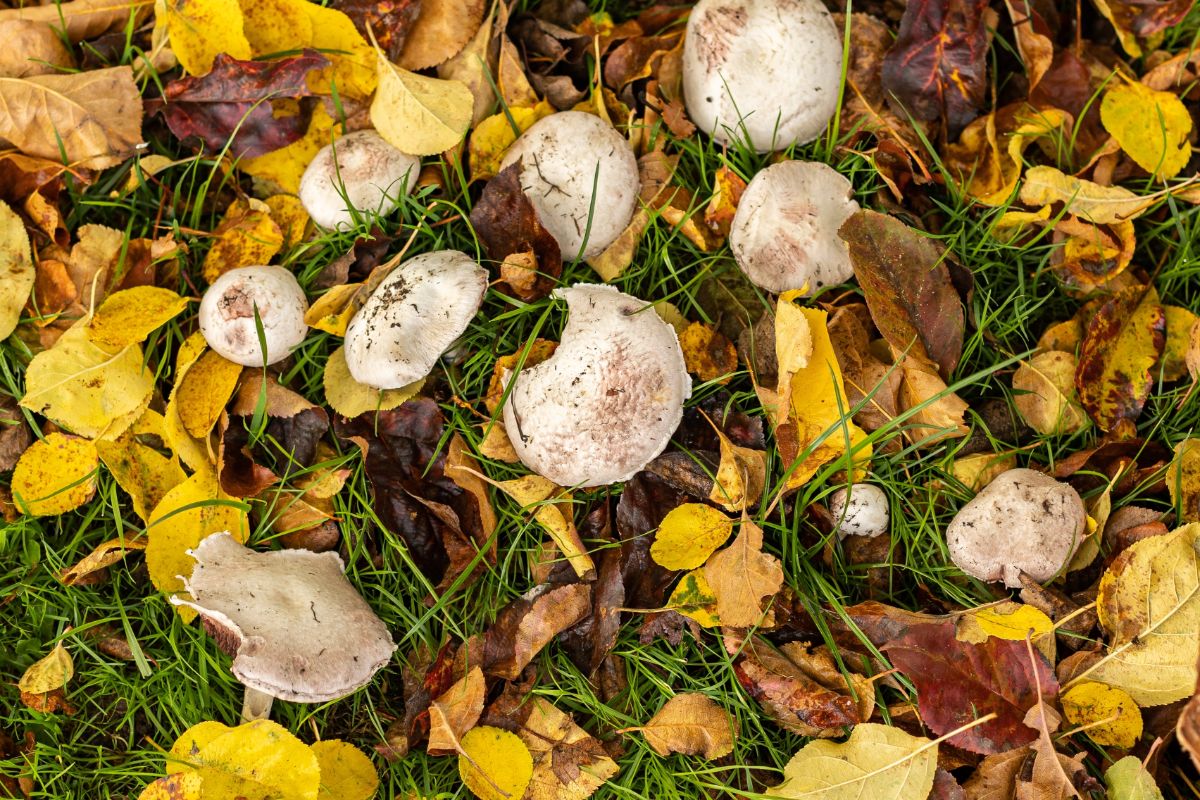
[(859, 510), (358, 173), (563, 158), (413, 317), (766, 71), (295, 626), (1023, 521), (785, 232), (606, 403), (227, 315)]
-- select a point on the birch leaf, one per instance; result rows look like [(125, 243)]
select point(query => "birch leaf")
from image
[(417, 114), (877, 761)]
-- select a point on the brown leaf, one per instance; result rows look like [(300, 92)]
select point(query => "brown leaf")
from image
[(80, 19), (441, 30), (691, 724), (1187, 730), (742, 576), (31, 48), (454, 712), (389, 20), (506, 222), (801, 688), (1034, 39), (1054, 776), (15, 435), (529, 623)]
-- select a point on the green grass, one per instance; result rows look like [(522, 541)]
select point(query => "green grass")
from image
[(127, 709)]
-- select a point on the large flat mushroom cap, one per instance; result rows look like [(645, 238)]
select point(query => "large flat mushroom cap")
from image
[(785, 232), (372, 173), (607, 402), (772, 66), (298, 628), (413, 317), (563, 156)]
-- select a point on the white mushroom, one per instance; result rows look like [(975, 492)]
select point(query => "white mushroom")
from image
[(413, 317), (785, 232), (606, 403), (772, 67), (360, 171), (227, 315), (1023, 521), (563, 157), (296, 627), (860, 509)]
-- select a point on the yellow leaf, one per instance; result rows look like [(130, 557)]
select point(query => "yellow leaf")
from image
[(87, 389), (1047, 400), (130, 315), (55, 475), (1183, 480), (202, 392), (200, 29), (285, 166), (181, 786), (741, 475), (495, 764), (1152, 127), (1111, 716), (492, 137), (16, 265), (187, 746), (978, 470), (742, 577), (692, 724), (1180, 323), (1090, 201), (333, 310), (470, 67), (694, 598), (707, 353), (246, 237), (191, 451), (346, 772), (139, 468), (103, 555), (353, 69), (289, 214), (1008, 620), (274, 26), (990, 161), (877, 761), (350, 398), (419, 115), (49, 673), (260, 760), (688, 535), (937, 412)]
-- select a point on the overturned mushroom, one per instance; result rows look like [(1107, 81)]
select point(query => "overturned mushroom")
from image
[(606, 403), (295, 626), (1023, 521), (785, 232), (228, 309), (358, 173), (766, 71), (413, 317), (859, 510), (581, 178)]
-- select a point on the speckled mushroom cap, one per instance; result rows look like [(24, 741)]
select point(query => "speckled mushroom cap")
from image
[(413, 317), (775, 65), (295, 625), (563, 156), (361, 171), (227, 315), (606, 403), (785, 231)]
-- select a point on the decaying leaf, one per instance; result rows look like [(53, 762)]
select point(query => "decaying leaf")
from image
[(1111, 717), (1122, 342), (529, 623), (743, 578), (48, 673), (17, 266), (455, 711), (695, 599), (199, 30), (1152, 127), (129, 316), (877, 761), (350, 398), (1085, 199), (55, 475), (1183, 480), (247, 236), (692, 724), (102, 556), (506, 221), (568, 763), (1048, 402)]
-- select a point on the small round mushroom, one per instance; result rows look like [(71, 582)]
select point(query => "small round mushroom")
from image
[(860, 509), (227, 315), (785, 231), (563, 156), (606, 403), (413, 317), (296, 627), (766, 71), (1023, 521), (360, 172)]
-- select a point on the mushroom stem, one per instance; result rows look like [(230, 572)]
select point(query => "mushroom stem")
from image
[(256, 705)]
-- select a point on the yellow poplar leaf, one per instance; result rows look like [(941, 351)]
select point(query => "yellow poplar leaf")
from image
[(188, 513), (688, 535), (742, 576), (1183, 479), (246, 237), (54, 475), (492, 137), (346, 772), (1180, 322), (289, 214), (879, 762), (86, 388), (140, 469), (191, 451), (274, 26), (1012, 621), (419, 115), (187, 746), (181, 786), (16, 265), (200, 29), (1048, 401), (1113, 719), (203, 391), (741, 475), (1152, 127), (49, 673), (978, 470), (103, 555), (353, 65), (333, 310), (285, 166), (694, 598), (1090, 201), (692, 724), (130, 315), (495, 764), (350, 398), (260, 759)]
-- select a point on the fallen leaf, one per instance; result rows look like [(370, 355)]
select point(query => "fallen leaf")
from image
[(1053, 775), (441, 31), (527, 624), (495, 764), (275, 26), (568, 763), (350, 398), (80, 19), (285, 166), (492, 137), (130, 315), (507, 223), (50, 672), (1111, 717), (260, 758), (989, 156), (742, 577), (688, 535), (695, 599), (246, 236), (352, 72), (691, 724), (1048, 402), (389, 20), (346, 772), (1187, 729), (454, 712), (473, 67), (877, 761), (1087, 200), (199, 30), (1128, 779), (420, 115), (1132, 19), (17, 266), (1012, 621), (1183, 480), (1180, 324), (201, 393), (935, 412), (1123, 341), (707, 353), (102, 556), (1152, 127), (55, 475)]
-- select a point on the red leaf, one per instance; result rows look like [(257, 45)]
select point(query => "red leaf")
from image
[(937, 69), (1147, 17), (508, 225), (389, 20), (958, 682), (230, 105)]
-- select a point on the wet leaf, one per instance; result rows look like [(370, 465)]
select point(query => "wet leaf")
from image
[(16, 265), (1049, 401), (527, 624), (743, 578), (454, 712), (129, 316), (50, 672), (417, 114), (1123, 341), (506, 221), (495, 764), (1110, 715), (55, 475), (877, 761), (199, 30), (1152, 127), (688, 535), (691, 724)]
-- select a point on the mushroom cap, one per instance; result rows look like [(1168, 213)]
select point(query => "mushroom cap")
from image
[(297, 628), (560, 156), (859, 510), (1023, 521), (227, 314), (606, 403), (785, 231), (374, 173), (775, 65), (413, 317)]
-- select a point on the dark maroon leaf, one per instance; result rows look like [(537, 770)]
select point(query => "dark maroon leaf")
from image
[(357, 263), (1147, 17), (389, 20), (959, 682), (937, 68), (589, 642), (643, 504), (231, 104), (945, 787), (527, 624), (508, 225)]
